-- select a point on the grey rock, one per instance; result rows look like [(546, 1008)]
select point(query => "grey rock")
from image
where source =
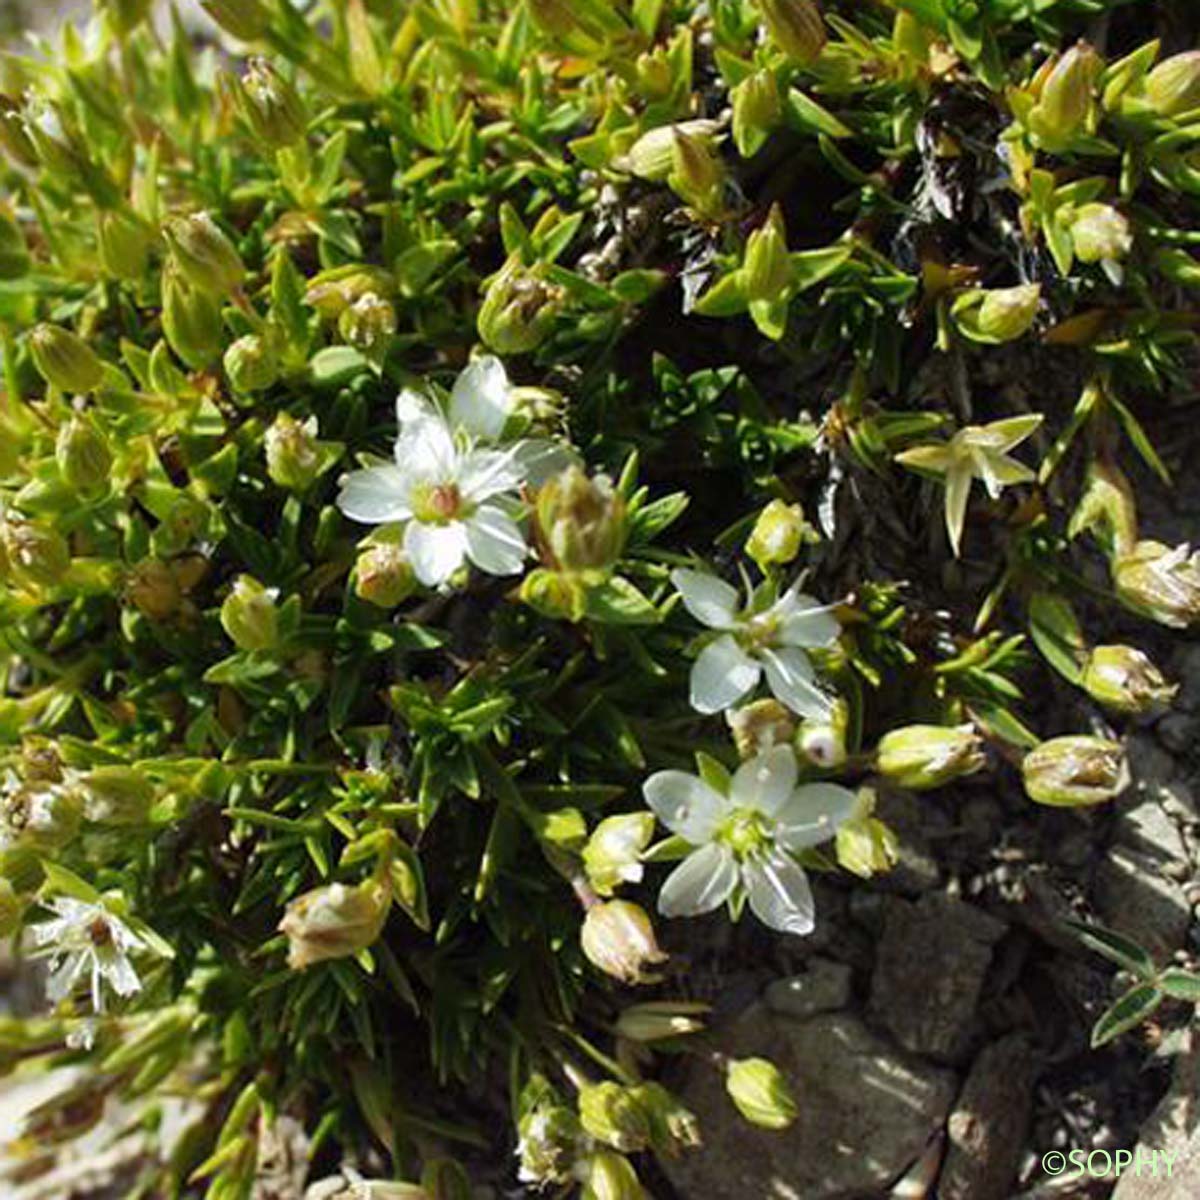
[(823, 987), (929, 971), (913, 822), (1143, 825), (866, 1112), (1135, 898), (1169, 1175), (1185, 670), (1177, 731), (989, 1122)]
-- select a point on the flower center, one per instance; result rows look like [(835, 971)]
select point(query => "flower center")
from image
[(437, 503), (746, 832), (760, 632), (100, 932)]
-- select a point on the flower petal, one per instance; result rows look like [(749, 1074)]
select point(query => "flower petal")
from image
[(722, 675), (779, 894), (805, 622), (376, 495), (486, 473), (481, 400), (958, 488), (812, 813), (685, 804), (435, 551), (412, 406), (426, 448), (494, 541), (765, 781), (702, 882), (1012, 431), (710, 600), (793, 681), (540, 458)]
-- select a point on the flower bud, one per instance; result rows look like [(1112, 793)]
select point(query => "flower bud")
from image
[(519, 309), (1161, 582), (778, 534), (995, 315), (153, 589), (40, 815), (383, 576), (795, 27), (126, 15), (1106, 508), (558, 595), (249, 615), (12, 909), (204, 255), (920, 757), (673, 1128), (1100, 233), (1065, 102), (697, 173), (123, 240), (293, 453), (660, 1020), (191, 321), (252, 364), (618, 938), (581, 521), (369, 323), (14, 253), (333, 291), (1173, 87), (1076, 770), (83, 456), (271, 106), (1125, 680), (760, 1093), (758, 726), (652, 156), (64, 360), (334, 921), (865, 845), (610, 1176), (14, 137), (548, 1138), (613, 853), (116, 796), (823, 743), (37, 554), (757, 109), (612, 1114), (246, 20)]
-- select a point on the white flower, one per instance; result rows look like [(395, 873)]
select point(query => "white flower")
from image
[(87, 941), (753, 642), (744, 840)]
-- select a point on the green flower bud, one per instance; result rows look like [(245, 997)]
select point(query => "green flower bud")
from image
[(555, 594), (383, 576), (191, 321), (652, 156), (271, 106), (920, 757), (252, 364), (14, 137), (865, 846), (611, 1177), (246, 20), (36, 554), (697, 173), (334, 921), (14, 253), (12, 909), (249, 615), (823, 743), (778, 534), (123, 240), (1106, 509), (757, 109), (760, 1093), (758, 726), (153, 589), (84, 458), (795, 27), (613, 853), (293, 452), (618, 938), (1125, 680), (126, 15), (995, 315), (612, 1114), (673, 1128), (1065, 101), (1100, 233), (1074, 771), (64, 360), (660, 1020), (548, 1143), (116, 796), (1160, 582), (369, 323), (519, 309), (39, 815), (581, 521), (204, 255), (767, 271), (1173, 87), (333, 291)]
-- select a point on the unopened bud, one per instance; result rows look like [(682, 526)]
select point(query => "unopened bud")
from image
[(369, 323), (760, 1093), (252, 364), (795, 27), (333, 291), (123, 240), (36, 554), (757, 110), (581, 521), (383, 576), (610, 1176), (39, 814), (823, 742), (64, 360), (1125, 680), (1106, 509), (660, 1020), (758, 726), (995, 315), (1065, 102), (1161, 582), (1077, 770), (246, 20), (271, 106), (697, 173), (83, 456), (612, 1114), (154, 590), (293, 452), (249, 615), (548, 1142), (204, 255), (191, 321), (334, 921), (519, 309), (673, 1128), (920, 757), (14, 253), (618, 938), (559, 595), (1173, 87), (652, 156), (1100, 233), (865, 845), (778, 534), (613, 853)]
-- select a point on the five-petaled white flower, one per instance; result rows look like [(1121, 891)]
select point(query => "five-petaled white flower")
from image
[(743, 840), (754, 640), (87, 941)]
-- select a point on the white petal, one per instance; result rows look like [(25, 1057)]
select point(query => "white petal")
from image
[(806, 623), (710, 600), (413, 406), (722, 675), (792, 679), (435, 551), (494, 542), (540, 458), (765, 781), (376, 495), (779, 894), (702, 882), (813, 813), (121, 975), (685, 804), (426, 447), (486, 473), (481, 400)]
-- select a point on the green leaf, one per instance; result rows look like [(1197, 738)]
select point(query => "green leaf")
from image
[(618, 602), (726, 298), (806, 113), (1180, 984), (1055, 631), (1131, 1009), (1116, 947)]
